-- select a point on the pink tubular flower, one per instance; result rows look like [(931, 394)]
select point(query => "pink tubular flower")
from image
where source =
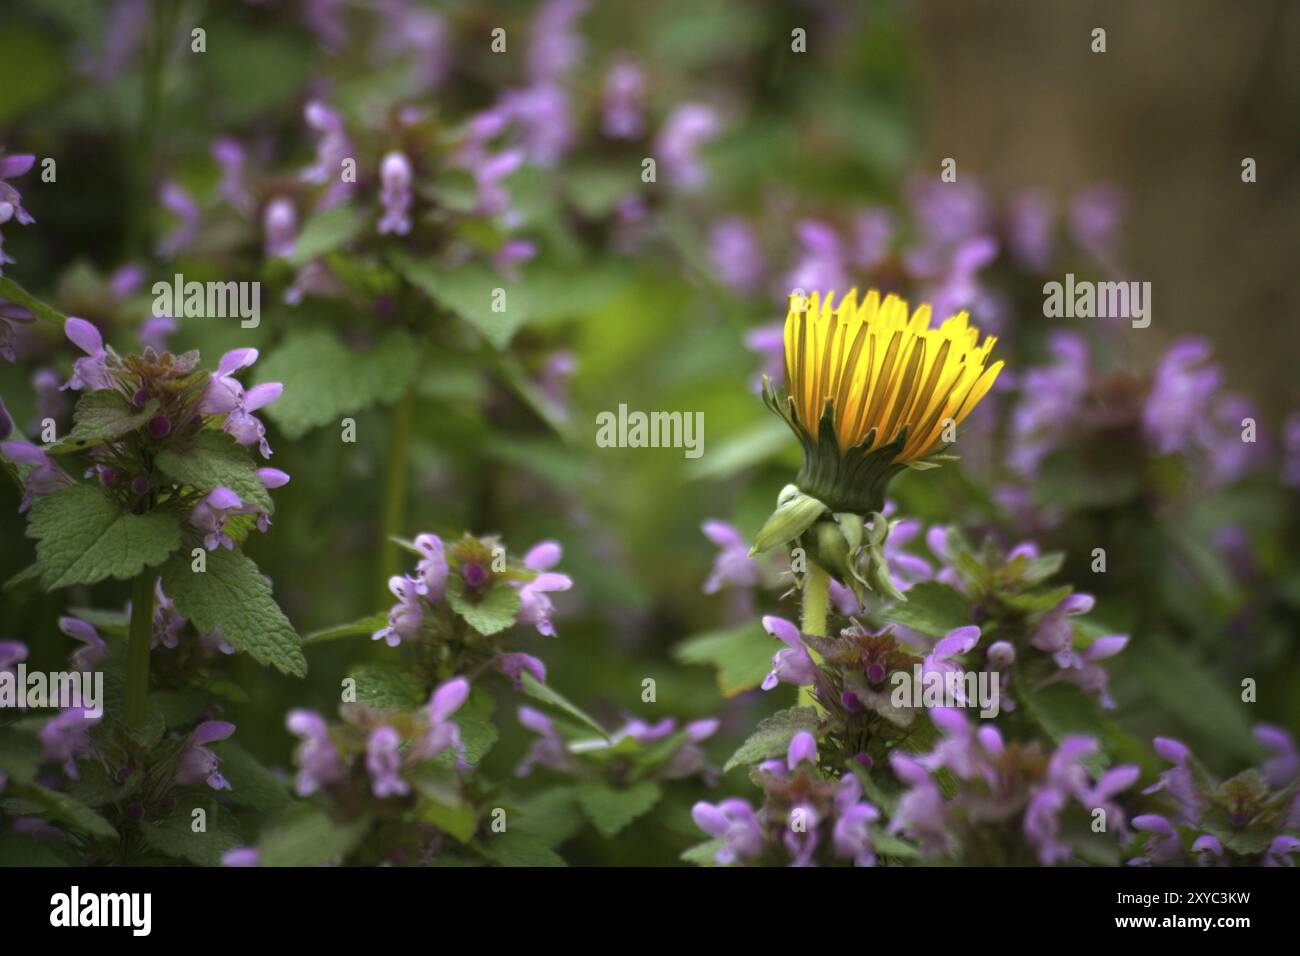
[(211, 514), (395, 194), (442, 732), (279, 228), (318, 762), (733, 565), (792, 664), (90, 372), (177, 201), (225, 395), (95, 651), (44, 475), (404, 617), (383, 763), (431, 570), (197, 762), (515, 664), (535, 607)]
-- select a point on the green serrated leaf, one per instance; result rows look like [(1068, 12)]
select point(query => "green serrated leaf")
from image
[(773, 735), (742, 656), (387, 685), (232, 595), (307, 837), (62, 809), (324, 379), (215, 460), (252, 785), (83, 537), (551, 815), (325, 232), (174, 835), (612, 809), (491, 613), (470, 291), (932, 608), (516, 848), (102, 416)]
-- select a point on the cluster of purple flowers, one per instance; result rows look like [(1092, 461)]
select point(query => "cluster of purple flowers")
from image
[(805, 818), (384, 747), (1251, 818)]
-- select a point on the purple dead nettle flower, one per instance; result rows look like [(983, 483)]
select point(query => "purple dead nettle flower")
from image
[(332, 148), (511, 254), (66, 737), (1066, 778), (11, 652), (153, 332), (241, 856), (535, 608), (404, 617), (11, 203), (542, 117), (690, 758), (1095, 216), (280, 228), (1029, 230), (442, 732), (940, 661), (43, 477), (1175, 416), (1050, 397), (1229, 456), (851, 837), (177, 201), (1162, 847), (792, 664), (908, 569), (1284, 764), (410, 30), (872, 233), (555, 47), (95, 651), (384, 763), (687, 128), (515, 664), (1209, 851), (732, 566), (624, 101), (1177, 780), (493, 197), (198, 763), (1055, 632), (554, 378), (548, 750), (737, 258), (821, 262), (1083, 670), (1291, 451), (1280, 850), (957, 286), (225, 395), (395, 194), (92, 371), (213, 511), (318, 762), (921, 814), (232, 159), (768, 342), (735, 822), (167, 621), (431, 569)]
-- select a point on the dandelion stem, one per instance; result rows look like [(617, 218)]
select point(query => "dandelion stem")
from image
[(816, 606), (137, 649), (399, 448)]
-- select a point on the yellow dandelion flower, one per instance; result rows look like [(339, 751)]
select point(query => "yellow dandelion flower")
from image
[(873, 389)]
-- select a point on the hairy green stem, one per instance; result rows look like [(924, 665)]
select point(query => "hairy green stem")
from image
[(816, 597), (148, 136), (137, 649), (399, 467)]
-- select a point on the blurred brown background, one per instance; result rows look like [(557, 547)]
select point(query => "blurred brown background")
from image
[(1185, 90)]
